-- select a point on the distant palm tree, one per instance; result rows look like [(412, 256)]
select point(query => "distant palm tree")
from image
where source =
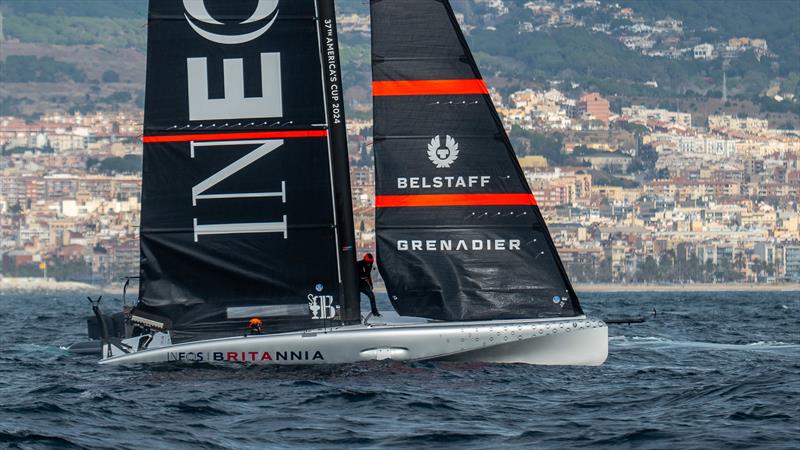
[(708, 271), (757, 267)]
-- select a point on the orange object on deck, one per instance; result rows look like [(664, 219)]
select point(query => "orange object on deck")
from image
[(255, 325)]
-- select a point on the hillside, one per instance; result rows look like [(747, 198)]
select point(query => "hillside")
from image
[(587, 48), (777, 21), (131, 9), (584, 48)]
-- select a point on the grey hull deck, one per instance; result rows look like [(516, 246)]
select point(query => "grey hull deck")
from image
[(573, 341)]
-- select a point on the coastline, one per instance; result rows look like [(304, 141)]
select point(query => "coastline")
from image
[(693, 287), (32, 285), (29, 285), (38, 284)]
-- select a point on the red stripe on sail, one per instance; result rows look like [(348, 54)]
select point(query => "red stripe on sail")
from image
[(428, 87), (233, 136), (397, 201)]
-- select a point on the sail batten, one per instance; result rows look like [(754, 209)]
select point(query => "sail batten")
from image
[(459, 232)]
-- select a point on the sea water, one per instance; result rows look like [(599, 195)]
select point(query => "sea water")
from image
[(710, 370)]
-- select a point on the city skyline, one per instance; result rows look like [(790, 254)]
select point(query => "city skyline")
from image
[(635, 188)]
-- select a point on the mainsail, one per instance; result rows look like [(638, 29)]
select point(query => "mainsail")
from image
[(460, 236), (246, 193)]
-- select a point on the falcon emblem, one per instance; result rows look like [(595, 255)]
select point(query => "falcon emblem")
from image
[(442, 156)]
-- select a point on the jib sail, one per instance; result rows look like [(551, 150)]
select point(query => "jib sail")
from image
[(460, 236), (246, 200)]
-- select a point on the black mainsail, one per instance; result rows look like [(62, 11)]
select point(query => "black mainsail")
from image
[(246, 193), (460, 236)]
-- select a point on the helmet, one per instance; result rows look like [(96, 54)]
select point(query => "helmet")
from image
[(369, 258), (255, 322)]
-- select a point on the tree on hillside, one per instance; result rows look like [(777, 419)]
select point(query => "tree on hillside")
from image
[(27, 68), (648, 270), (110, 76)]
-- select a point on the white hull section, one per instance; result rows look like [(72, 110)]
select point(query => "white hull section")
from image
[(574, 341)]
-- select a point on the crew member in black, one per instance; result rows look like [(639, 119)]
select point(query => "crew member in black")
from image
[(365, 281)]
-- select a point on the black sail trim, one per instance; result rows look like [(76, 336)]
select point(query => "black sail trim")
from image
[(240, 153), (563, 272), (340, 163), (409, 97)]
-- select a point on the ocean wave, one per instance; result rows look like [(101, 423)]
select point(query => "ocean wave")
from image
[(23, 438), (657, 340), (198, 408), (639, 436), (712, 372), (25, 408), (439, 437), (350, 396), (772, 344)]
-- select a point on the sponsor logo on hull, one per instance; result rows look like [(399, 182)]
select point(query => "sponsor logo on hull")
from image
[(259, 356)]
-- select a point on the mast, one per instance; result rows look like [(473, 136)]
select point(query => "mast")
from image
[(460, 234), (332, 76)]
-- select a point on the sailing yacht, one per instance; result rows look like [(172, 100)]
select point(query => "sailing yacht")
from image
[(246, 208)]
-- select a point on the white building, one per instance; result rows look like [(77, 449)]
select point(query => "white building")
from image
[(637, 42), (704, 51), (696, 145), (640, 114), (726, 122)]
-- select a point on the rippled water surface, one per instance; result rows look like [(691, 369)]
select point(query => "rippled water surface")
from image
[(712, 370)]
